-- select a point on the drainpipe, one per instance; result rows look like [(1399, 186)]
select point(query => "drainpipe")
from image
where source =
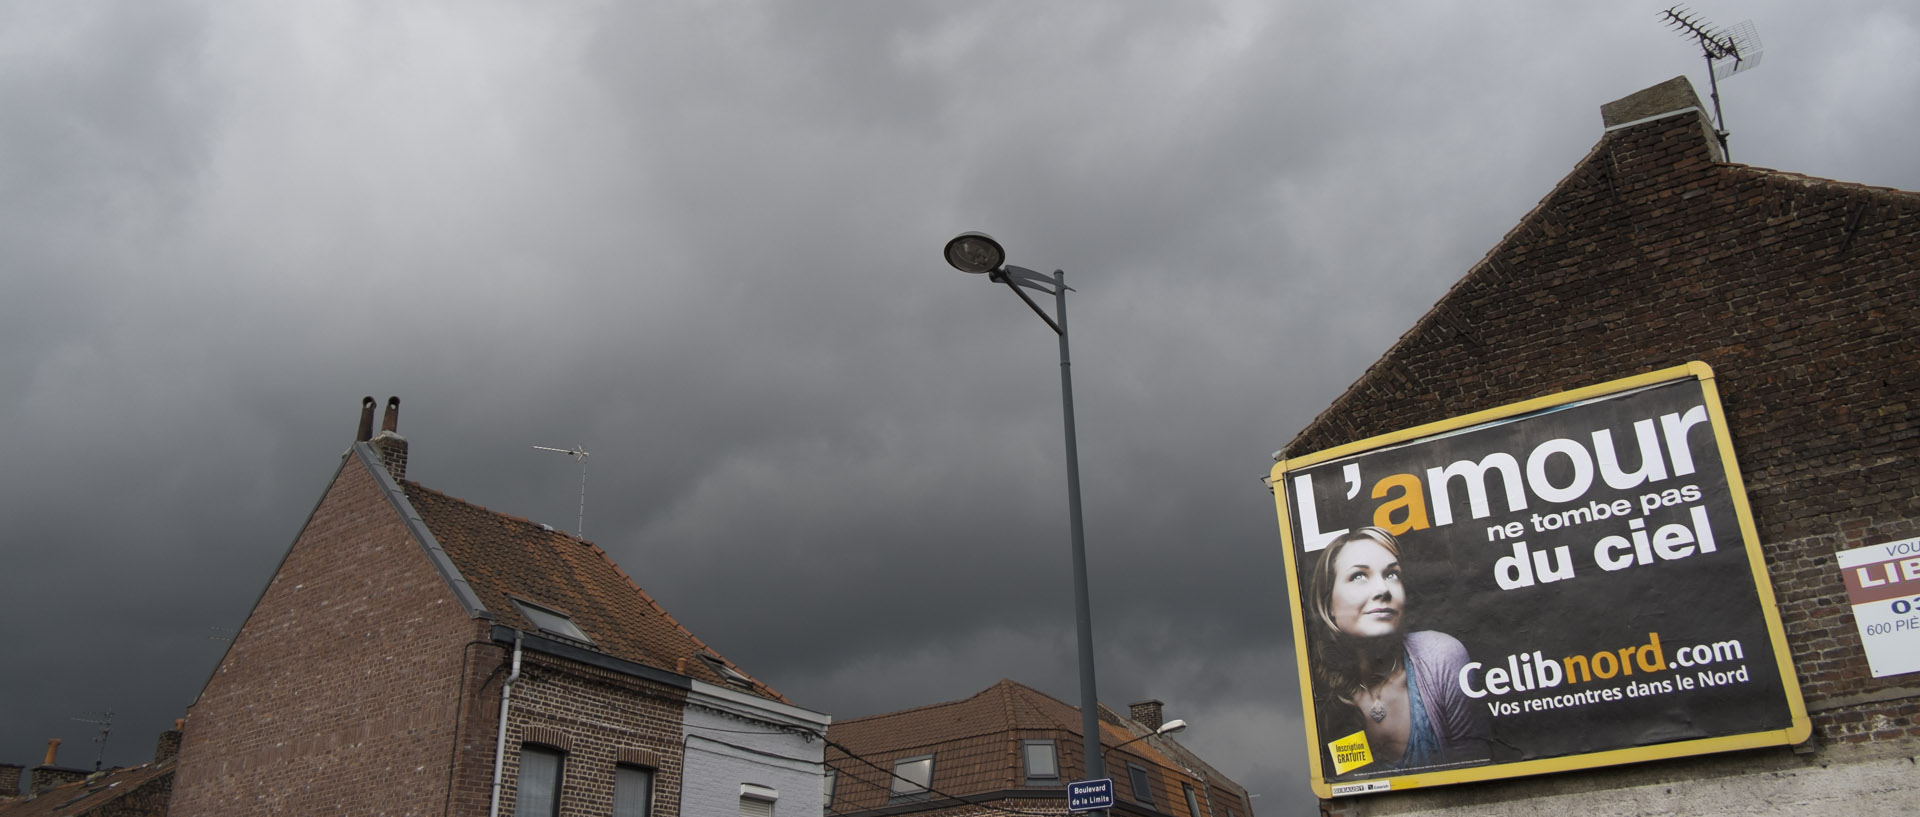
[(500, 742)]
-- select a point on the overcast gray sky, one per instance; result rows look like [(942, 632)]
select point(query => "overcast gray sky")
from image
[(703, 241)]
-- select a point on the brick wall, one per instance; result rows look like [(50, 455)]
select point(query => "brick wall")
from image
[(1800, 293), (340, 691), (599, 719)]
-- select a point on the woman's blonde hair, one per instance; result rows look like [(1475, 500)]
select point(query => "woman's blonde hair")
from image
[(1336, 661)]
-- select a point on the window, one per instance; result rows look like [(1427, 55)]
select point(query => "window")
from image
[(1142, 792), (632, 791), (552, 622), (1193, 803), (538, 792), (1042, 763), (726, 673), (757, 801), (913, 777), (826, 789)]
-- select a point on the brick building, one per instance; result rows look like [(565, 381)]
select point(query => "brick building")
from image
[(417, 654), (1801, 295), (1011, 747)]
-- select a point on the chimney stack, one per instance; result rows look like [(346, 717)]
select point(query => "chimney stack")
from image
[(46, 775), (392, 446), (1670, 98), (1146, 713), (169, 744), (10, 782)]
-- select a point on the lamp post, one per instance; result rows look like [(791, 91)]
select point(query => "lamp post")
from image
[(1168, 728), (978, 253)]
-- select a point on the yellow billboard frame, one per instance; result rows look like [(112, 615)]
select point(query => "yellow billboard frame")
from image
[(1798, 729)]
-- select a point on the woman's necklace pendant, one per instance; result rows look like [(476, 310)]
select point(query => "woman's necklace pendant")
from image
[(1379, 711)]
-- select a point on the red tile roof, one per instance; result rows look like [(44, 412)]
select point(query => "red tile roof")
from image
[(506, 557), (976, 743)]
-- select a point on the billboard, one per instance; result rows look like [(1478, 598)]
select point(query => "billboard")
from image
[(1568, 582)]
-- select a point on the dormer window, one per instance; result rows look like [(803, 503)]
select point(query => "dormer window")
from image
[(551, 622)]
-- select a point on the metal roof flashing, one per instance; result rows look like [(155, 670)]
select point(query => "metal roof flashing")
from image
[(417, 528)]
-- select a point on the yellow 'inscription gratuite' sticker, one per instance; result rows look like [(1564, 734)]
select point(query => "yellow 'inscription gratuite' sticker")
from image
[(1350, 752)]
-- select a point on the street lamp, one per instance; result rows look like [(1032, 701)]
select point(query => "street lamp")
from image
[(978, 253), (1168, 728)]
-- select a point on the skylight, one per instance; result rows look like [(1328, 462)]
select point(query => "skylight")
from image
[(551, 621)]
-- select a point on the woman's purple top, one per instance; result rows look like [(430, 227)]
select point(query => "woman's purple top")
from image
[(1434, 660)]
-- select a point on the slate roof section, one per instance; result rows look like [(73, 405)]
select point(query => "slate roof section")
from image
[(977, 743), (124, 792), (503, 558)]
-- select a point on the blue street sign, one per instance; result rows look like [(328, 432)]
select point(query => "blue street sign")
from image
[(1087, 795)]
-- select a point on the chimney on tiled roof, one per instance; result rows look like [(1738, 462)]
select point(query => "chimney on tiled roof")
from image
[(1659, 102), (46, 775), (10, 781), (169, 744), (392, 446), (1146, 713)]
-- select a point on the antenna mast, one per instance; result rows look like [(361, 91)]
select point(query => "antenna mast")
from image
[(105, 722), (579, 455), (1738, 48)]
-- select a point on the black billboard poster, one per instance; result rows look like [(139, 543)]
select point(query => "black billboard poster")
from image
[(1564, 583)]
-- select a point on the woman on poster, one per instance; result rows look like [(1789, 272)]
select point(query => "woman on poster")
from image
[(1370, 674)]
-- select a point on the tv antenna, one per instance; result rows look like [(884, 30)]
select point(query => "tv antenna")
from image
[(579, 455), (1728, 51), (105, 722)]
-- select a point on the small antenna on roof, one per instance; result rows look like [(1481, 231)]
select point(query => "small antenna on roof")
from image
[(579, 455), (105, 722), (1728, 51)]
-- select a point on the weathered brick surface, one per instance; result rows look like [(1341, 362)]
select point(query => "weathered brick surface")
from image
[(339, 693), (1799, 292), (595, 717)]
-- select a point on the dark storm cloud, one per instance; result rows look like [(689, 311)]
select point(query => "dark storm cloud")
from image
[(703, 242)]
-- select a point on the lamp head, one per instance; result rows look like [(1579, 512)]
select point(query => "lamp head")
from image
[(1170, 727), (975, 252)]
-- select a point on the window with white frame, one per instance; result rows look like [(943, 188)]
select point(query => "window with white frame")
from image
[(757, 801)]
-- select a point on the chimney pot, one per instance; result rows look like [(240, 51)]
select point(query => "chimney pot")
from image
[(366, 420), (1147, 713), (53, 748), (392, 446)]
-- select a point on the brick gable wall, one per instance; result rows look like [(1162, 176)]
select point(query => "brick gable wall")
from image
[(339, 692), (1800, 293)]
